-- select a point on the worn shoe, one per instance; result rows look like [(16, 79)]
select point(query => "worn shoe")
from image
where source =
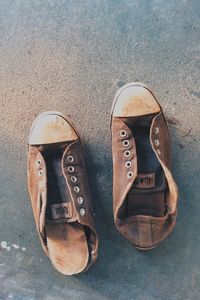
[(144, 191), (60, 194)]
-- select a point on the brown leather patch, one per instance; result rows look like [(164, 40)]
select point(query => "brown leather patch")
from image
[(61, 211), (145, 181)]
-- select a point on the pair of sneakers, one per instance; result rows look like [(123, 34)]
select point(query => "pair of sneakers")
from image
[(144, 191)]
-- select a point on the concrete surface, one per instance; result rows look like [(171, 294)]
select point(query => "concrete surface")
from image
[(72, 56)]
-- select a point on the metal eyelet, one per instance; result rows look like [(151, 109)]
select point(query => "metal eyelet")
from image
[(76, 189), (126, 143), (158, 151), (156, 142), (40, 173), (70, 158), (130, 174), (128, 164), (38, 162), (156, 130), (82, 212), (73, 179), (80, 200), (127, 153), (123, 133), (71, 169)]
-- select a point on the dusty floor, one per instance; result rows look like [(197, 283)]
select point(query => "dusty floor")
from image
[(72, 56)]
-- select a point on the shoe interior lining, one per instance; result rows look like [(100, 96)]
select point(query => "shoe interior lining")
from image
[(57, 189), (67, 242), (145, 201)]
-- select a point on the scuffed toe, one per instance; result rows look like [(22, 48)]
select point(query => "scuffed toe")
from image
[(135, 100), (51, 128)]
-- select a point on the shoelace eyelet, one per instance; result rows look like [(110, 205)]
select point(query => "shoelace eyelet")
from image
[(130, 174), (158, 151), (71, 169), (123, 133), (127, 153), (128, 164), (82, 212), (126, 143), (73, 178), (38, 162), (70, 158), (80, 200), (156, 130), (76, 189)]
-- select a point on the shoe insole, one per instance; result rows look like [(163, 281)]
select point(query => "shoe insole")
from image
[(67, 242), (68, 249), (147, 196)]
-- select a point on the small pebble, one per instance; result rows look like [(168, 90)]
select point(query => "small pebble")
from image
[(15, 246), (4, 244)]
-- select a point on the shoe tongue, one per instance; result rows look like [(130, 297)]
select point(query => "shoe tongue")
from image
[(149, 182), (62, 213)]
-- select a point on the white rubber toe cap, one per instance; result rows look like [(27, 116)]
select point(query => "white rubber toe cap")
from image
[(134, 100), (51, 127)]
